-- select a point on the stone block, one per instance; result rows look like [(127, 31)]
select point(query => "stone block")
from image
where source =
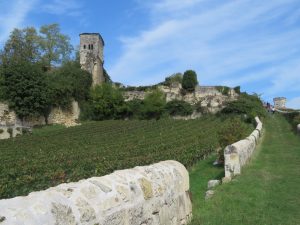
[(213, 183)]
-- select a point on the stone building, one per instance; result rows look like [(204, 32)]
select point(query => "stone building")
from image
[(91, 55), (279, 103)]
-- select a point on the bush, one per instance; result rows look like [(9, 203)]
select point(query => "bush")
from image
[(189, 80), (174, 78), (293, 118), (135, 108), (107, 102), (232, 132), (237, 89), (154, 105), (223, 89), (1, 131), (67, 83), (179, 108), (246, 104)]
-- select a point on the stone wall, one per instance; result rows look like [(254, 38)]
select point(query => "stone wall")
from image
[(12, 131), (67, 117), (239, 153), (157, 194)]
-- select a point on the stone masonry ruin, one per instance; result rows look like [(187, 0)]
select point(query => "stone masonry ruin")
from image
[(279, 102), (91, 56)]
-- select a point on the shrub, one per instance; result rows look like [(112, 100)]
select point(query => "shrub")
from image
[(237, 89), (179, 108), (246, 104), (200, 109), (223, 89), (189, 80), (107, 102), (154, 105), (10, 131), (135, 108), (232, 132), (1, 131), (174, 78)]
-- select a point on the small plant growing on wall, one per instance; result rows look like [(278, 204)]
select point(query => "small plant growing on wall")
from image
[(1, 131), (10, 131)]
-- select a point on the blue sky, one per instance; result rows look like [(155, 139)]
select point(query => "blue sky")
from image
[(251, 43)]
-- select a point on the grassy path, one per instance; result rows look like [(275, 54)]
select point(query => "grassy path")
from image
[(267, 193)]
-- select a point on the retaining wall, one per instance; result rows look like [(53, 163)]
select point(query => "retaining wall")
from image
[(239, 153), (155, 194)]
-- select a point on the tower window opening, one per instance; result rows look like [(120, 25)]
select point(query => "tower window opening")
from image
[(84, 46), (89, 46), (92, 46)]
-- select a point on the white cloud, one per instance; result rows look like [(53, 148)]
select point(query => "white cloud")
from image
[(225, 43), (12, 15), (63, 7)]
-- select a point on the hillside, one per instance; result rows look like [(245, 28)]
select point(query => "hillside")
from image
[(55, 154), (266, 193)]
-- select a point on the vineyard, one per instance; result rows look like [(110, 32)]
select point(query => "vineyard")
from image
[(54, 154)]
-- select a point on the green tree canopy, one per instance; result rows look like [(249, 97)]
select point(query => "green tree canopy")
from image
[(25, 89), (107, 102), (154, 105), (189, 80), (55, 46)]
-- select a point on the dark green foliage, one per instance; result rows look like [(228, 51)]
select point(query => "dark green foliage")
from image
[(107, 102), (154, 105), (232, 132), (69, 82), (10, 131), (25, 89), (179, 108), (200, 109), (174, 78), (189, 80), (106, 77), (223, 89), (135, 109), (54, 154), (1, 131), (237, 89), (293, 118), (249, 105)]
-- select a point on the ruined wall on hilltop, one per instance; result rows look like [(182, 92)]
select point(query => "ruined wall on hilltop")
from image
[(151, 195)]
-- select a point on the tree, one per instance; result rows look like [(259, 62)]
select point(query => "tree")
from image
[(25, 89), (55, 46), (174, 78), (22, 45), (69, 82), (189, 80), (179, 108), (107, 102)]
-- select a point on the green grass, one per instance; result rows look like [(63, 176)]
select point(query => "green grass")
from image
[(267, 192), (54, 154)]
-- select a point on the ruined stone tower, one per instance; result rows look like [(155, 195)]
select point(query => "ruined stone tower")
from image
[(279, 103), (91, 55)]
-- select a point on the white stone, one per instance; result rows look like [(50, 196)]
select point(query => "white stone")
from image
[(209, 194), (213, 183), (155, 194)]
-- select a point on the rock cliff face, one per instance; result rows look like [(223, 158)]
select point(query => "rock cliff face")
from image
[(151, 195), (210, 98)]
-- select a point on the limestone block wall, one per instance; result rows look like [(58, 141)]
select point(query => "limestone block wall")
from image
[(151, 195), (130, 95), (239, 153), (7, 117), (10, 131), (67, 117)]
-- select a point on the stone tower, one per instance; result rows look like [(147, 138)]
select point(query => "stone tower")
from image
[(91, 55), (279, 103)]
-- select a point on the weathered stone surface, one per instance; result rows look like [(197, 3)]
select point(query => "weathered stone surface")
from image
[(213, 183), (209, 194), (150, 195), (238, 154)]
